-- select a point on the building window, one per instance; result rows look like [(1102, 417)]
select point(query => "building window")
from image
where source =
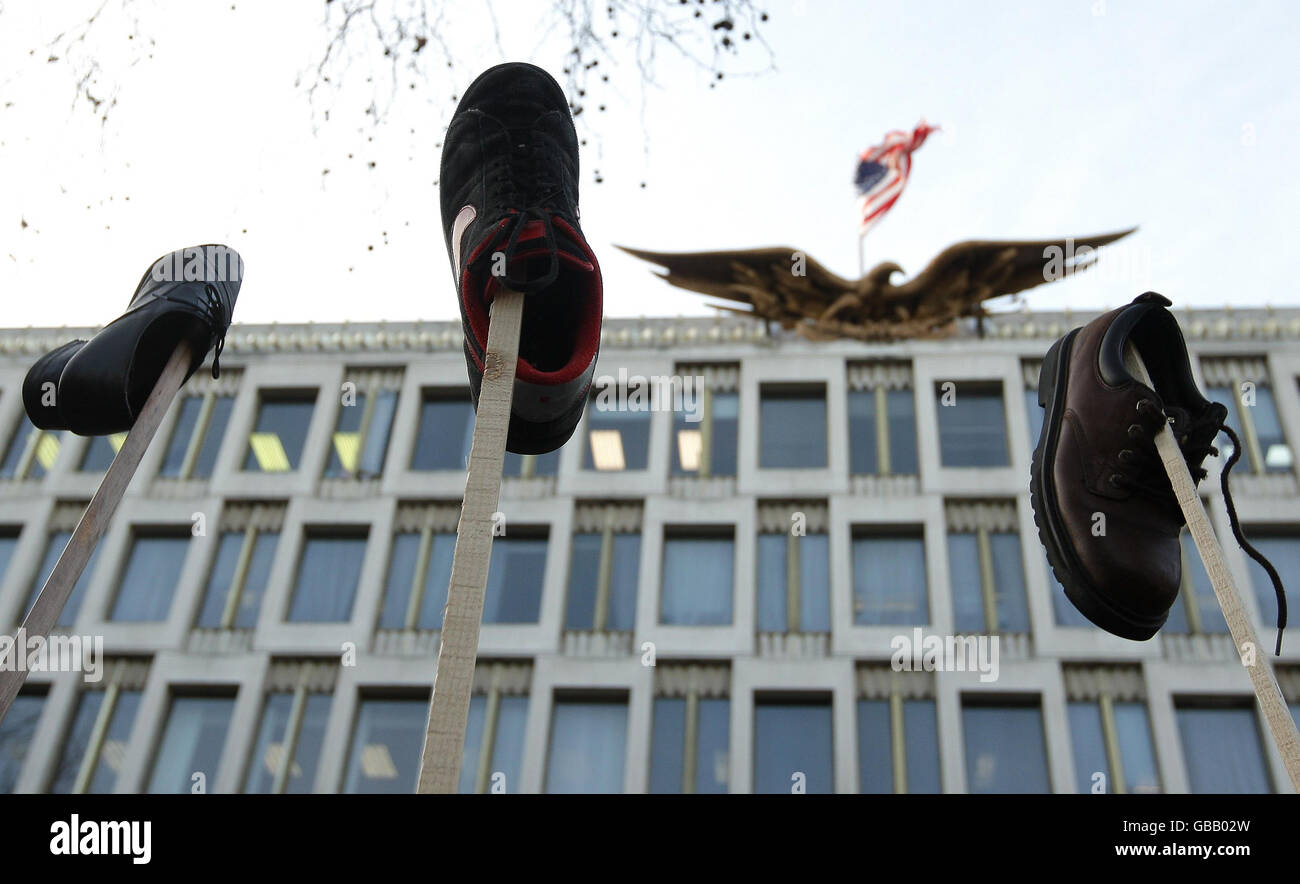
[(278, 437), (793, 568), (531, 466), (793, 745), (365, 418), (972, 424), (604, 567), (588, 744), (691, 736), (494, 733), (31, 452), (889, 579), (200, 427), (1110, 730), (297, 708), (1242, 385), (100, 452), (898, 737), (419, 567), (240, 572), (618, 429), (1280, 548), (386, 745), (1196, 610), (882, 420), (96, 743), (1222, 748), (329, 571), (16, 732), (192, 743), (706, 427), (1033, 411), (8, 543), (1005, 747), (149, 579), (698, 578), (792, 427), (515, 577), (63, 520), (985, 568), (446, 431)]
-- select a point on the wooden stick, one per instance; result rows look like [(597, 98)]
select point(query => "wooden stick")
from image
[(444, 738), (1280, 724), (95, 520)]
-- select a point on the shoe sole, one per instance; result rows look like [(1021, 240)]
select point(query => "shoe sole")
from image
[(1052, 380), (530, 437)]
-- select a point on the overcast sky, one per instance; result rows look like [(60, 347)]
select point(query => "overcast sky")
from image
[(1058, 118)]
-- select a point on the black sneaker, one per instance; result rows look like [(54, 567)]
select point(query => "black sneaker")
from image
[(509, 195), (101, 384)]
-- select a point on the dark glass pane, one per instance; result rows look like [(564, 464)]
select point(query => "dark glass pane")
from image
[(668, 745), (328, 573), (220, 579), (713, 749), (100, 452), (772, 605), (616, 440), (875, 752), (268, 755), (697, 581), (1222, 750), (623, 582), (793, 429), (278, 438), (149, 579), (814, 583), (386, 745), (401, 573), (964, 574), (1005, 749), (863, 451), (16, 733), (446, 431), (206, 460), (1035, 413), (921, 728), (889, 581), (1009, 582), (587, 747), (791, 739), (1135, 749), (515, 575), (76, 742), (1089, 742), (192, 743), (726, 427), (1282, 550), (186, 419), (972, 428), (902, 433), (1268, 429), (584, 576)]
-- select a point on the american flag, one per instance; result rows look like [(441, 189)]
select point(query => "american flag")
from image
[(882, 172)]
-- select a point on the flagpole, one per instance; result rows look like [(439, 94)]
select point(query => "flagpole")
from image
[(862, 263)]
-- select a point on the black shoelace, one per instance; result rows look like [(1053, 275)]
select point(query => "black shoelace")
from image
[(1244, 543), (1147, 462), (525, 182), (216, 313)]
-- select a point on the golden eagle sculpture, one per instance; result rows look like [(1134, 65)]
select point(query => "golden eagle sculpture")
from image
[(785, 285)]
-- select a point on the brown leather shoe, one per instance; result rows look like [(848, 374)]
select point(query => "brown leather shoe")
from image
[(1102, 501)]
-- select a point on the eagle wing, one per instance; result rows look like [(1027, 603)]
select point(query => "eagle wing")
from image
[(966, 274), (781, 283)]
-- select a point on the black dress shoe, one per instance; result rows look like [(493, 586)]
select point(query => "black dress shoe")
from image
[(103, 383)]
